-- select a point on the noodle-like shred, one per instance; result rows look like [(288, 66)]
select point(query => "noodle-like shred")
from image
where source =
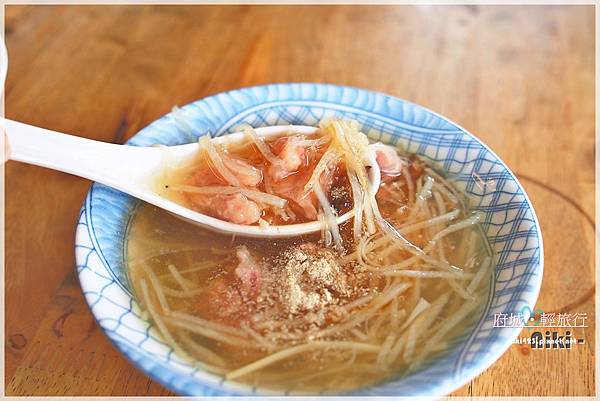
[(161, 326), (358, 198), (210, 333), (421, 322), (185, 284), (159, 293), (329, 218), (422, 196), (216, 158), (262, 147), (483, 270), (443, 328), (327, 161), (286, 353)]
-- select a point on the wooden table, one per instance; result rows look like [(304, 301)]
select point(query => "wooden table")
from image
[(521, 78)]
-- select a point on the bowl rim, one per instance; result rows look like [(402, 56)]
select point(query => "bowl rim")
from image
[(503, 342)]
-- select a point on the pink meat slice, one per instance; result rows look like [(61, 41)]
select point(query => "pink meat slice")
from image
[(388, 160), (236, 208), (248, 270), (292, 188), (247, 174), (292, 155)]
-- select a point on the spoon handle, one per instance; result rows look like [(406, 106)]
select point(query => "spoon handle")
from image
[(118, 166)]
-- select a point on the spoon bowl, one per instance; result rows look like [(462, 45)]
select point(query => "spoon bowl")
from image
[(133, 170)]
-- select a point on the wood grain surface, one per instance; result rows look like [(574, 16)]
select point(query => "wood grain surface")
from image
[(520, 77)]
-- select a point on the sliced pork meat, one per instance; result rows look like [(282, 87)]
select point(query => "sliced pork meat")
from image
[(221, 302), (292, 188), (388, 160), (248, 175), (236, 208), (292, 155), (228, 299), (248, 271), (205, 177)]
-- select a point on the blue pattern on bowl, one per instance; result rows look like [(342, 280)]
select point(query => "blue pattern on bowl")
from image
[(510, 225)]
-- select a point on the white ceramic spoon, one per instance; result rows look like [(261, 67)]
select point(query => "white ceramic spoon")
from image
[(133, 169)]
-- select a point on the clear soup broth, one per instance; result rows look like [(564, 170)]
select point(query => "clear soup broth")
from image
[(302, 316)]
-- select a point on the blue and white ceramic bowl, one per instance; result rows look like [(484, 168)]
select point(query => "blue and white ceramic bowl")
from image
[(510, 224)]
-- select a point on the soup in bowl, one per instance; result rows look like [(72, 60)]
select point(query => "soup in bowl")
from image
[(403, 292)]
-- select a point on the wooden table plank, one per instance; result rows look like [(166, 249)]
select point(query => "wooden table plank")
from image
[(520, 77)]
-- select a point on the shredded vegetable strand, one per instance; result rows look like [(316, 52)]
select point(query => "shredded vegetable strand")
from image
[(329, 159), (183, 283), (261, 363), (261, 145), (422, 196), (217, 161), (160, 325), (330, 219)]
